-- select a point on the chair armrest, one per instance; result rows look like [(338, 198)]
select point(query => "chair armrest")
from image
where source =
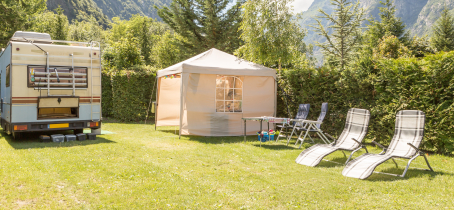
[(379, 145), (411, 145), (357, 141)]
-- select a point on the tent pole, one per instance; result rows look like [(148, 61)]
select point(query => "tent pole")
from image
[(156, 111), (181, 104)]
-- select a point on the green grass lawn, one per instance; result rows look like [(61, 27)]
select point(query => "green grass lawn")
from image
[(139, 168)]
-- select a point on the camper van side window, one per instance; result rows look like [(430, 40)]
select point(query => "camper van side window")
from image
[(229, 93), (8, 76)]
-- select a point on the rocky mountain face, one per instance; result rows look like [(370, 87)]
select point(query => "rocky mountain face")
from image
[(103, 10), (418, 15)]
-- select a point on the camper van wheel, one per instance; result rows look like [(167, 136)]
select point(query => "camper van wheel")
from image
[(77, 131), (17, 135)]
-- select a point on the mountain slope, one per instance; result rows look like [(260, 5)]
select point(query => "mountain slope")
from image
[(429, 15), (126, 8), (79, 10), (104, 10), (418, 15)]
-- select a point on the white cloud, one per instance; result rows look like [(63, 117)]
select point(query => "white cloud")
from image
[(301, 5)]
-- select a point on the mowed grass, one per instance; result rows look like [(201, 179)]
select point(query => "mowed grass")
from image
[(139, 168)]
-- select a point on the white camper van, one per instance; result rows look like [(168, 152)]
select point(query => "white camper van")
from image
[(49, 85)]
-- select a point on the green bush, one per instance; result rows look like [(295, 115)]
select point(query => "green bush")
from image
[(130, 94), (106, 103), (384, 87)]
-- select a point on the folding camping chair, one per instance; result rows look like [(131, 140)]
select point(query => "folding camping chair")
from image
[(350, 139), (408, 134), (304, 129), (303, 111)]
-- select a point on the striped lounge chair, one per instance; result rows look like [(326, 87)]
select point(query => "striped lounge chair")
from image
[(408, 134), (350, 140)]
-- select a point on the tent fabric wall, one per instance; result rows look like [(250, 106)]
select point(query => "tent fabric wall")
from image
[(168, 111), (258, 100), (199, 111), (190, 100)]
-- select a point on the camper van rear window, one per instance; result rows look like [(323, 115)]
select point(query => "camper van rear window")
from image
[(61, 76), (229, 94)]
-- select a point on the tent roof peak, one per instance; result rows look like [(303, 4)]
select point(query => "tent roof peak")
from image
[(214, 61)]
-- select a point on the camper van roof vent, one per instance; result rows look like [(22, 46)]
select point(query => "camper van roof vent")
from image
[(20, 35)]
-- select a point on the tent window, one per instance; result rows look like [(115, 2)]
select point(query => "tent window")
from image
[(229, 93)]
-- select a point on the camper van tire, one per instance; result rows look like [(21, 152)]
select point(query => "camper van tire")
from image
[(17, 135)]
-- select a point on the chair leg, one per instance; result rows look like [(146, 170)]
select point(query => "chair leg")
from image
[(290, 137), (395, 162), (302, 140), (280, 133), (344, 153), (408, 164), (427, 161), (351, 154), (313, 142)]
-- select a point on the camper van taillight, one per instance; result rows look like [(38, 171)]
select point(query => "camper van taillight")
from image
[(94, 124), (20, 127)]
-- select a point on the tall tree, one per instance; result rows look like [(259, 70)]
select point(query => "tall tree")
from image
[(204, 24), (270, 33), (346, 32), (55, 24), (389, 25), (15, 13), (443, 32)]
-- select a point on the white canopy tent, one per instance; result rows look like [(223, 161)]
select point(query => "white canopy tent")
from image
[(207, 95)]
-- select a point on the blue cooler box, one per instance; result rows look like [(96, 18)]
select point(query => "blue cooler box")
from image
[(265, 136)]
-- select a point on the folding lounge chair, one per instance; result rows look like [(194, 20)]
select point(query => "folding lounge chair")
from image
[(408, 134), (304, 128), (303, 111), (350, 139)]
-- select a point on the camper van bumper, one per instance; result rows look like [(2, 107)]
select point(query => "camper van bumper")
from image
[(52, 126)]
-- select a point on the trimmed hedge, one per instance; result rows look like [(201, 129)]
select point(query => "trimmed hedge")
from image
[(130, 94), (107, 97), (384, 87)]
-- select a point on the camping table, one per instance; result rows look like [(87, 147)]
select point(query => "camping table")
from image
[(266, 119), (311, 125)]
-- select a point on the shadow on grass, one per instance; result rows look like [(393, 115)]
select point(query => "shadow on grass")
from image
[(336, 162), (32, 141), (275, 146), (411, 173)]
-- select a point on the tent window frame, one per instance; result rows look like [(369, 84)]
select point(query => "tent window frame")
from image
[(225, 93)]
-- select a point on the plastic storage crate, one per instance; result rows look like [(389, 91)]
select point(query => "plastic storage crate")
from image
[(57, 138), (70, 137), (44, 138), (81, 136), (91, 136)]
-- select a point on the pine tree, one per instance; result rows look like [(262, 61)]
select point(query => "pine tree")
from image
[(61, 29), (390, 25), (346, 33), (271, 34), (443, 32), (204, 24)]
